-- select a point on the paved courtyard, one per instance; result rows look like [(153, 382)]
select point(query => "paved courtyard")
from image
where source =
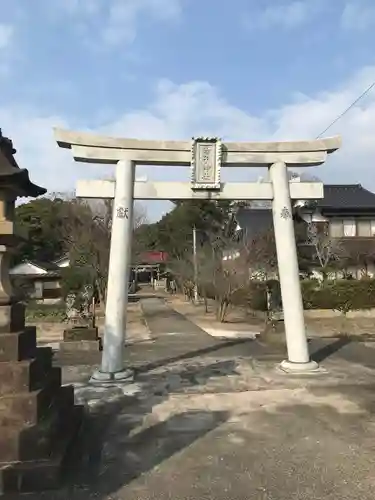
[(214, 419)]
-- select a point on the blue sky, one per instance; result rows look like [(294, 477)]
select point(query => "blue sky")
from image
[(240, 69)]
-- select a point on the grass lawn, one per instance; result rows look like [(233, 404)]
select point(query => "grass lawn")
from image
[(45, 312)]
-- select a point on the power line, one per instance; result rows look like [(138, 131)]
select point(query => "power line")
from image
[(347, 109)]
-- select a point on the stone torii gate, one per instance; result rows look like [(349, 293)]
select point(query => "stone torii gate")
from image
[(206, 156)]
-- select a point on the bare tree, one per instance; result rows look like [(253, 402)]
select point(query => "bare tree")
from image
[(230, 277), (326, 252), (140, 215), (261, 257), (182, 268), (360, 254), (87, 235), (218, 279), (87, 239)]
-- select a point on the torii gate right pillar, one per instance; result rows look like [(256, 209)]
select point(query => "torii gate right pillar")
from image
[(298, 353)]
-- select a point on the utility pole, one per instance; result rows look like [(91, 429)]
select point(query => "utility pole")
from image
[(196, 295)]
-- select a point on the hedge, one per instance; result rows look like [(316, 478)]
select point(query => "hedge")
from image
[(254, 296), (340, 295)]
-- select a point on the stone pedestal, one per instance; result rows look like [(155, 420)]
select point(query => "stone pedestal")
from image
[(81, 338), (38, 418)]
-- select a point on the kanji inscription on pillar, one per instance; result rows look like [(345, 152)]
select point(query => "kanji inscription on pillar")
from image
[(285, 213), (122, 213), (206, 157)]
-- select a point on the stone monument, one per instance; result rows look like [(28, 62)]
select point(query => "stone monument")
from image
[(38, 418), (82, 333)]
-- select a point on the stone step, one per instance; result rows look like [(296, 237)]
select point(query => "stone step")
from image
[(30, 407), (80, 333), (35, 442), (39, 475), (81, 345), (25, 376), (12, 318), (18, 346)]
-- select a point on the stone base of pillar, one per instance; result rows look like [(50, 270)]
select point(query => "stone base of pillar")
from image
[(38, 418), (81, 339), (309, 368), (104, 378), (274, 333), (81, 345)]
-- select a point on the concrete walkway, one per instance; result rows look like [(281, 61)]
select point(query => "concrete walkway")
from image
[(208, 420)]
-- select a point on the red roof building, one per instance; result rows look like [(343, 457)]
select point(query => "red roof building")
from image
[(154, 257)]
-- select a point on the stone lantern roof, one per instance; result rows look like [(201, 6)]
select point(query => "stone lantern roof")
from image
[(12, 176)]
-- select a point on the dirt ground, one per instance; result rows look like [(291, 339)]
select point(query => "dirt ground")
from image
[(136, 327), (332, 327), (206, 418), (239, 322), (137, 330)]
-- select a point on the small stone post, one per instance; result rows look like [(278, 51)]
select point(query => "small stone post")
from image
[(298, 353)]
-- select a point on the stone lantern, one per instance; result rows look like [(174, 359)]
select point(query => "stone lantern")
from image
[(37, 416)]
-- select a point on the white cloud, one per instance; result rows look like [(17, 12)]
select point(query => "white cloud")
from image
[(6, 39), (117, 21), (194, 108), (310, 115), (80, 7), (6, 35), (124, 17), (358, 15), (288, 15)]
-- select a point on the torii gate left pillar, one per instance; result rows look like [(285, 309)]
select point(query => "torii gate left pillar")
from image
[(205, 156), (112, 366)]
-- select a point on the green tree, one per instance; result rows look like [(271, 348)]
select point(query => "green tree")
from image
[(42, 220), (174, 232)]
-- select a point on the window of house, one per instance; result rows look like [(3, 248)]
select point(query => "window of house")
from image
[(349, 228), (364, 228), (336, 228)]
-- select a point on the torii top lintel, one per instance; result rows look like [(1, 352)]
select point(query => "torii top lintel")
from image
[(102, 149)]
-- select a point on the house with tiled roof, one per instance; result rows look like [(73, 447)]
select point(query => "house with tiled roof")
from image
[(347, 213), (41, 279), (349, 210)]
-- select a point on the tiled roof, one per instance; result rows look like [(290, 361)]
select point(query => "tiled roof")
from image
[(12, 174), (336, 196), (254, 221), (346, 196), (47, 266)]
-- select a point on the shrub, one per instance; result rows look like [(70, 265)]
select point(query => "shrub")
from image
[(341, 295), (257, 296), (253, 296)]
